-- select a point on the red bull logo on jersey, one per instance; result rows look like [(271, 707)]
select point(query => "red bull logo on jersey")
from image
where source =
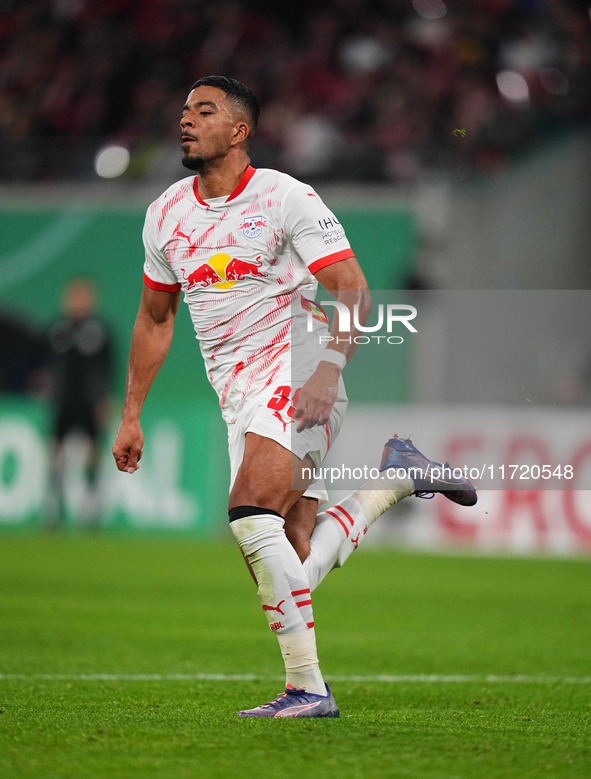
[(252, 226), (203, 276), (222, 272)]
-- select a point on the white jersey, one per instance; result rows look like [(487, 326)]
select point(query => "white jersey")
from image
[(246, 264)]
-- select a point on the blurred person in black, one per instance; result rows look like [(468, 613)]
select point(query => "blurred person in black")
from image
[(81, 368)]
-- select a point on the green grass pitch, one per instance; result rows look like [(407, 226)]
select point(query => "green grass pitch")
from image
[(103, 639)]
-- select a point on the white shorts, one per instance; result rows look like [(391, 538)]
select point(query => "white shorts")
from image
[(269, 415)]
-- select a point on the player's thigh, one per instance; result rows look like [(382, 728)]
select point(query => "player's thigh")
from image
[(270, 476)]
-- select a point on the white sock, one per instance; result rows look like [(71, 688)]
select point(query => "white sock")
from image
[(340, 528), (284, 594), (301, 661)]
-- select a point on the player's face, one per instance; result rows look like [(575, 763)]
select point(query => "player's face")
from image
[(208, 126)]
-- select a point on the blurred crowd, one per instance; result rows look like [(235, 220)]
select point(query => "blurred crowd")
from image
[(355, 89)]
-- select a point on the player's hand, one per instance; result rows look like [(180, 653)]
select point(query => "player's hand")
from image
[(128, 446), (316, 398)]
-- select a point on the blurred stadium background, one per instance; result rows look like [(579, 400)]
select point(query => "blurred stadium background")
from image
[(367, 100)]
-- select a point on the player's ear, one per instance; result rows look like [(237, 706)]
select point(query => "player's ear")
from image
[(241, 133)]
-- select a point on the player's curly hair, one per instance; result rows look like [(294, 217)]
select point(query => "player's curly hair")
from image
[(237, 91)]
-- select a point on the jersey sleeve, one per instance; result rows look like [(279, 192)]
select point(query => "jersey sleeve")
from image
[(157, 272), (314, 231)]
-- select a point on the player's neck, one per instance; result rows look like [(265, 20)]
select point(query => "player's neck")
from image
[(221, 177)]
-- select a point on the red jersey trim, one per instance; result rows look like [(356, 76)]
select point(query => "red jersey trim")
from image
[(196, 192), (330, 259), (246, 177), (248, 174), (160, 286)]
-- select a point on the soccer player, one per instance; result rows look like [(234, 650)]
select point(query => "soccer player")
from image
[(247, 247)]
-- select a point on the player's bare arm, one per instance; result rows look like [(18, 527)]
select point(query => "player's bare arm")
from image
[(347, 282), (152, 334)]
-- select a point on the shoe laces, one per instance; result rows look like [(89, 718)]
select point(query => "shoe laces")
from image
[(424, 495), (275, 702), (290, 691)]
